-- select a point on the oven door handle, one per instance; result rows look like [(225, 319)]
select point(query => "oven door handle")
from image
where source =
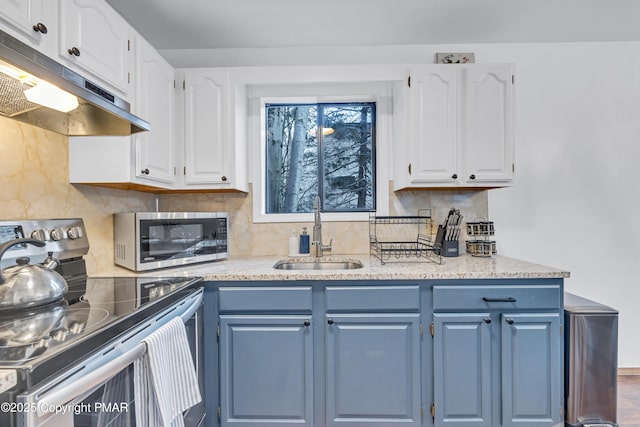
[(61, 396), (66, 394)]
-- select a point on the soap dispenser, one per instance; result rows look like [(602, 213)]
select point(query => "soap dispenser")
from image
[(304, 242), (293, 244)]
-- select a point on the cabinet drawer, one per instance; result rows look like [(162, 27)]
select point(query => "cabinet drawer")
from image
[(373, 298), (264, 299), (496, 297)]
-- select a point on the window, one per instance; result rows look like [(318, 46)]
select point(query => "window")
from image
[(325, 149)]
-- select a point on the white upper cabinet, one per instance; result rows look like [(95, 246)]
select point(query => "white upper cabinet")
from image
[(144, 161), (459, 122), (432, 136), (155, 95), (34, 22), (96, 39), (206, 157), (487, 124), (215, 155)]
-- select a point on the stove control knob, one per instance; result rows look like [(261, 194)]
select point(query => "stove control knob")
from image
[(59, 335), (75, 233), (76, 327), (57, 234), (40, 234)]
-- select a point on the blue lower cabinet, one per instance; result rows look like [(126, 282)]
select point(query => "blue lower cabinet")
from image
[(462, 369), (373, 370), (266, 371), (531, 370), (506, 372)]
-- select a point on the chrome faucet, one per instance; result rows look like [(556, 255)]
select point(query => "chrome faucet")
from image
[(317, 230)]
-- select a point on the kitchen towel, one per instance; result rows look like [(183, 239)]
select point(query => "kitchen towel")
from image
[(165, 383)]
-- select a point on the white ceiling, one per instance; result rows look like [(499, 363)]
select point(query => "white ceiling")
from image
[(214, 24)]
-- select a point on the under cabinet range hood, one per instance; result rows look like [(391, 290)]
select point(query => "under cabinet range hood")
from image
[(91, 110)]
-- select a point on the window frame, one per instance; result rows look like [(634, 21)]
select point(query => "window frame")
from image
[(321, 152), (380, 93)]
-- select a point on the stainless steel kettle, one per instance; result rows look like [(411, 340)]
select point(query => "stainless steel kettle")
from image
[(29, 285)]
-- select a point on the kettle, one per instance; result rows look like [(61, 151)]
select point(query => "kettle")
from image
[(29, 285)]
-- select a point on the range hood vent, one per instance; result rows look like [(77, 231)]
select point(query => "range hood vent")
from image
[(99, 112)]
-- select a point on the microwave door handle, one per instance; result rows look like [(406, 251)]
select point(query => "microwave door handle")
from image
[(66, 393)]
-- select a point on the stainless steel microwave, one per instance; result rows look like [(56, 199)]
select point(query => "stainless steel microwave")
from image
[(151, 240)]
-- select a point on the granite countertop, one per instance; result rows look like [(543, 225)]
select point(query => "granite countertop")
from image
[(261, 268)]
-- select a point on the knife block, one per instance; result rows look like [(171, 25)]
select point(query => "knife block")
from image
[(448, 248)]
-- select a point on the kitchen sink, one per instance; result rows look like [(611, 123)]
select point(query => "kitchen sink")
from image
[(318, 265)]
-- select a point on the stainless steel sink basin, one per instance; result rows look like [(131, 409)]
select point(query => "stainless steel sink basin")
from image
[(318, 265)]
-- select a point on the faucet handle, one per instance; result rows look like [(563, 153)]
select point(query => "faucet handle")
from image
[(327, 247)]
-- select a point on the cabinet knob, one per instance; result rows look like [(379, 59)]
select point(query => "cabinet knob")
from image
[(472, 176), (307, 323), (487, 320), (40, 28), (509, 321), (330, 321), (224, 178), (454, 176), (145, 171), (74, 51)]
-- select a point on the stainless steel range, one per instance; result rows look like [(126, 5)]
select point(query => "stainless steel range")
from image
[(70, 362)]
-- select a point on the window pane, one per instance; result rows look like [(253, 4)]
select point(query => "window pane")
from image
[(347, 140), (336, 163), (292, 158)]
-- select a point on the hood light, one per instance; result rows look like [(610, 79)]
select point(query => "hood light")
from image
[(51, 96)]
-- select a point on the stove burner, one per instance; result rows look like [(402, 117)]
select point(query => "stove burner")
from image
[(29, 336), (29, 327)]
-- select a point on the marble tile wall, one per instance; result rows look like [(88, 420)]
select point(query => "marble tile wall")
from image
[(34, 184), (249, 239)]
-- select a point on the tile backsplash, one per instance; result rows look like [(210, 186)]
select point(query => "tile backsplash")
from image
[(34, 183), (259, 239)]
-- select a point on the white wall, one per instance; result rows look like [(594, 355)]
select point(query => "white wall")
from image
[(577, 147)]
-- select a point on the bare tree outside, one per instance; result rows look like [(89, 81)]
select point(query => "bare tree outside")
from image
[(320, 149)]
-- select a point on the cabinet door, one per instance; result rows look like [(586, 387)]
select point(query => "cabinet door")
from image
[(373, 370), (100, 39), (29, 20), (462, 369), (206, 155), (432, 99), (486, 124), (531, 370), (266, 369), (155, 152)]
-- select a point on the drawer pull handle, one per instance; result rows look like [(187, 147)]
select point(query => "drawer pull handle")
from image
[(510, 299)]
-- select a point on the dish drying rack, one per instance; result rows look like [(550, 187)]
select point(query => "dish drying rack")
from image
[(403, 238), (481, 246)]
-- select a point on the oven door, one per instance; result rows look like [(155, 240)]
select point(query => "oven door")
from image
[(99, 391)]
